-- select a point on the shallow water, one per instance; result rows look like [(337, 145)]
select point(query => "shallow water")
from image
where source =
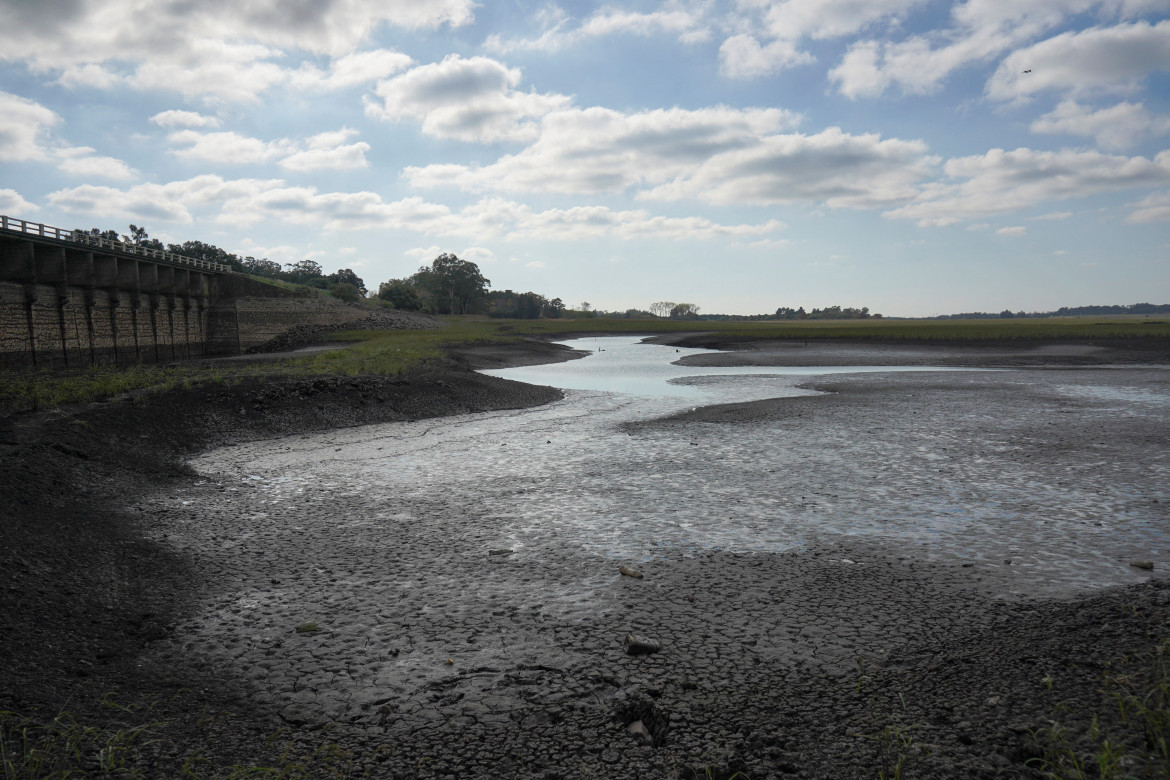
[(564, 480), (623, 364)]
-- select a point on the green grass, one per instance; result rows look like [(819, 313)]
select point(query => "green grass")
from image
[(1048, 329), (392, 353), (67, 747), (1133, 741)]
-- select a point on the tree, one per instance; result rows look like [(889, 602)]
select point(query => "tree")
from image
[(400, 294), (108, 235), (137, 235), (346, 276), (456, 286), (303, 270), (662, 308), (345, 291), (684, 311), (207, 252), (264, 267), (556, 307)]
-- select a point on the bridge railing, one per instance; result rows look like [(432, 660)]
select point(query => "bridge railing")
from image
[(85, 238)]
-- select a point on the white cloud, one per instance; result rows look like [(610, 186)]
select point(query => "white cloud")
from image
[(340, 158), (244, 202), (556, 33), (1116, 128), (81, 161), (172, 202), (742, 56), (25, 136), (982, 30), (351, 70), (1015, 230), (88, 76), (176, 118), (24, 128), (1012, 181), (214, 69), (534, 264), (12, 204), (781, 26), (1101, 59), (598, 221), (228, 147), (1056, 215), (329, 151), (471, 99), (217, 49), (320, 152), (599, 150), (479, 254), (429, 252), (1153, 208), (830, 167), (99, 30), (611, 21)]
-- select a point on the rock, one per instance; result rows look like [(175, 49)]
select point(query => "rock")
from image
[(640, 645), (639, 730), (626, 570), (1142, 564)]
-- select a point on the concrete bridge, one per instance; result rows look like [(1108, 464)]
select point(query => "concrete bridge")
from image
[(69, 299)]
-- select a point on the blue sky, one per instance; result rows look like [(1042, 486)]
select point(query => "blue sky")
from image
[(915, 156)]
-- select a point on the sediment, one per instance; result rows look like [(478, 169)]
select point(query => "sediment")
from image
[(838, 660)]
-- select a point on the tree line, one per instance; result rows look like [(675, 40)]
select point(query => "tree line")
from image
[(450, 285), (1063, 311), (343, 284)]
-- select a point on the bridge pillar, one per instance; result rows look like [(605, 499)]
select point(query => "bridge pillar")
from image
[(127, 282), (52, 271), (148, 284), (200, 291), (105, 279), (17, 261), (18, 264), (166, 289), (79, 270), (182, 287)]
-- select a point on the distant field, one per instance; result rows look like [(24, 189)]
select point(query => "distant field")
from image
[(1048, 329), (391, 353)]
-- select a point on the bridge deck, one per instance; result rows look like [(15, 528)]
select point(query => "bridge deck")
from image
[(11, 227)]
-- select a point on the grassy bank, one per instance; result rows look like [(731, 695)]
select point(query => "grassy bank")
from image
[(392, 353)]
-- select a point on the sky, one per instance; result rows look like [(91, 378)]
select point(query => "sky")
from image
[(917, 157)]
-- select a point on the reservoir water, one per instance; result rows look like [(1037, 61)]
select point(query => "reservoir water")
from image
[(624, 364)]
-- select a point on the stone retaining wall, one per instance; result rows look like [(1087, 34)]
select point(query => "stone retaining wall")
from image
[(69, 308)]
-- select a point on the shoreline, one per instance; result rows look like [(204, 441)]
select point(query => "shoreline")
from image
[(88, 577)]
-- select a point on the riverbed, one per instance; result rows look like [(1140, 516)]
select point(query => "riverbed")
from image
[(427, 580)]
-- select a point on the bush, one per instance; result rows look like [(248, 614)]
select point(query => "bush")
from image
[(346, 292)]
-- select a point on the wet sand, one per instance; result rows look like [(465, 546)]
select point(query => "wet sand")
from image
[(431, 647)]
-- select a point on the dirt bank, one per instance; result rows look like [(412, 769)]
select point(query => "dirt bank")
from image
[(844, 660), (843, 352)]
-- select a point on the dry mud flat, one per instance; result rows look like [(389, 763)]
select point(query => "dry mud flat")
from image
[(402, 621), (431, 644)]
